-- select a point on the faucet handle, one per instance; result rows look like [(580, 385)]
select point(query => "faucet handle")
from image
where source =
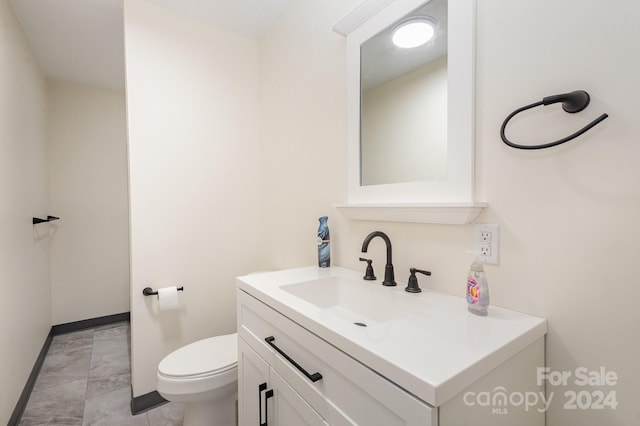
[(368, 275), (412, 285)]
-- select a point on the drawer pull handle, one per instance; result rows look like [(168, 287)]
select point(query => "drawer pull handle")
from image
[(268, 394), (261, 387), (313, 377)]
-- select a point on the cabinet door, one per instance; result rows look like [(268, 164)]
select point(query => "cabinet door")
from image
[(253, 372), (264, 398), (289, 409)]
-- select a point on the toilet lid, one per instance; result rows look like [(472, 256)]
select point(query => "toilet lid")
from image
[(204, 357)]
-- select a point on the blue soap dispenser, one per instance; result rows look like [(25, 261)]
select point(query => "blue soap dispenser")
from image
[(324, 254)]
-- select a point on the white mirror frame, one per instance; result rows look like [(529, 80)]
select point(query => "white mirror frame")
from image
[(443, 201)]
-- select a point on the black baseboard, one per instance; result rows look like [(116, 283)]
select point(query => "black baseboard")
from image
[(31, 381), (146, 402), (89, 323), (55, 330)]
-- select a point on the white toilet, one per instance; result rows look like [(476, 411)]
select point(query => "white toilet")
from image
[(204, 376)]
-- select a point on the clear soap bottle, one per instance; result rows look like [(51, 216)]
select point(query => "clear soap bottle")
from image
[(477, 289)]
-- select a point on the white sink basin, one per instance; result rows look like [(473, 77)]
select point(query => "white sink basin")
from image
[(364, 303), (427, 343)]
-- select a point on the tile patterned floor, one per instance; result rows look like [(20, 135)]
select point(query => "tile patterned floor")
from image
[(85, 380)]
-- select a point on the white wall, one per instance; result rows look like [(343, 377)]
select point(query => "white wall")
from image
[(194, 173), (87, 150), (568, 215), (406, 114), (25, 305), (302, 89)]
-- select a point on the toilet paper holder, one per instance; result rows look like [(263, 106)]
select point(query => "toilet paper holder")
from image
[(148, 291)]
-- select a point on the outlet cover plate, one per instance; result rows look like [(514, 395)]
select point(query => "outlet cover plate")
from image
[(486, 241)]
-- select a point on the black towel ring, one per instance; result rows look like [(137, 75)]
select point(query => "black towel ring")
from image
[(572, 102)]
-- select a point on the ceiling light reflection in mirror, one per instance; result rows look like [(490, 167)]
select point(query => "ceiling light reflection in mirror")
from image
[(413, 33)]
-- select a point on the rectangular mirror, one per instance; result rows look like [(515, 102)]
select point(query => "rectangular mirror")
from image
[(403, 108), (416, 149)]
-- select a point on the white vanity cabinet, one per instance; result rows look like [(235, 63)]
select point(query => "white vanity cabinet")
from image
[(423, 360), (347, 394)]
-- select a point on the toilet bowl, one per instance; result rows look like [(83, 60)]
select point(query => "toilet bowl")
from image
[(204, 376)]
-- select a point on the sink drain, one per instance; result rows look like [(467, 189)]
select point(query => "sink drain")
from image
[(360, 324)]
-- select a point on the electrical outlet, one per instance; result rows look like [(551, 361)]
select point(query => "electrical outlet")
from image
[(486, 242)]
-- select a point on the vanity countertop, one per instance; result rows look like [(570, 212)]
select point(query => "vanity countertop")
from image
[(427, 343)]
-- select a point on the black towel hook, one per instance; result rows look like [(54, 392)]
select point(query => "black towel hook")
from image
[(37, 220), (572, 102)]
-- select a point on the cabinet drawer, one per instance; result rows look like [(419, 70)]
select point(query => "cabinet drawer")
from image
[(348, 393)]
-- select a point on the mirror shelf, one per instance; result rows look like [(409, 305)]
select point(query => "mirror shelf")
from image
[(438, 213), (443, 200)]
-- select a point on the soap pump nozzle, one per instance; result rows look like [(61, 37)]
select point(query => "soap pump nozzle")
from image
[(412, 285), (369, 274), (477, 256)]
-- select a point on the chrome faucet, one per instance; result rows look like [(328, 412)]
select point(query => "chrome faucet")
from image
[(389, 278)]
